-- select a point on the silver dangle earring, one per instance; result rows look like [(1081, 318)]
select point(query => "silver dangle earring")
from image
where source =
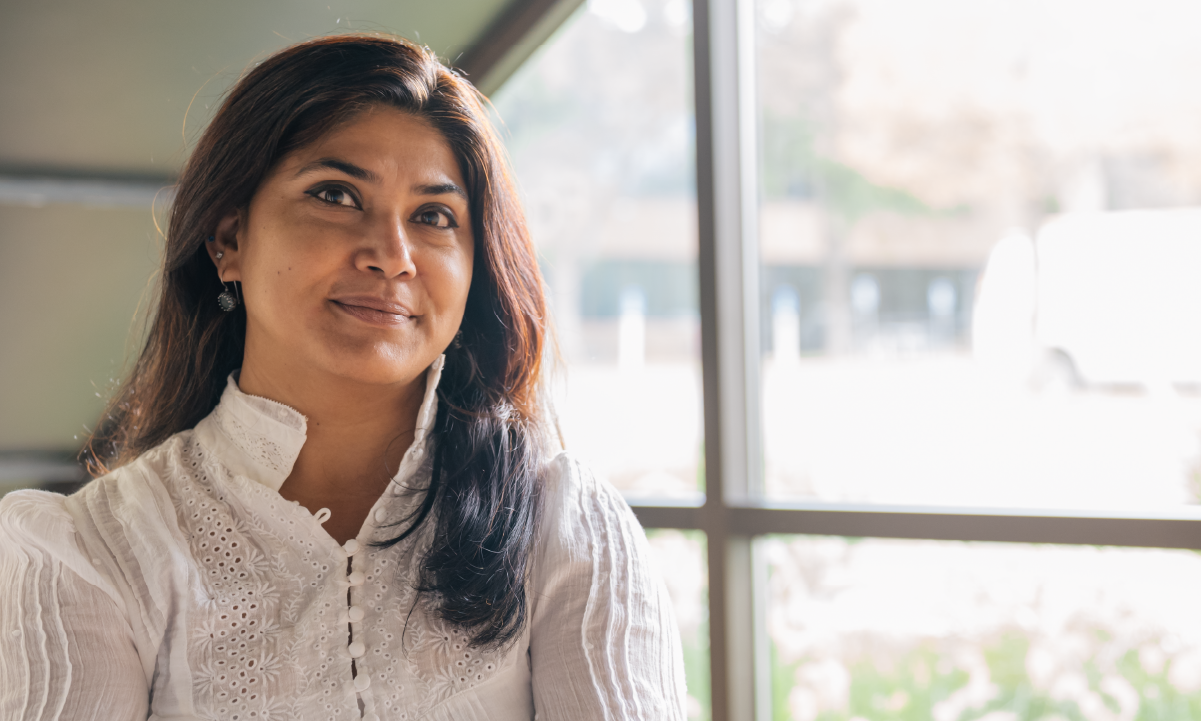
[(227, 301)]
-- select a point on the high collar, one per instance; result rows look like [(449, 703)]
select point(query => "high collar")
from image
[(260, 438)]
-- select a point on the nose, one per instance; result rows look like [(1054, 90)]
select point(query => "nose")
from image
[(387, 251)]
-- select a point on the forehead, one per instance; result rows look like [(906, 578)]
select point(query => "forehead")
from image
[(385, 140)]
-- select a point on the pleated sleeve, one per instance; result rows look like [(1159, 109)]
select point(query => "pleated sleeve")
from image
[(66, 648), (604, 643)]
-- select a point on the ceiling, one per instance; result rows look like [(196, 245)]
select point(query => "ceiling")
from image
[(123, 88), (110, 96)]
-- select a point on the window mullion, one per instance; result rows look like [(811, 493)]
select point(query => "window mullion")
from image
[(728, 264)]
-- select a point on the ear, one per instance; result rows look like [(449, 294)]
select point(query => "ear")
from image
[(226, 242)]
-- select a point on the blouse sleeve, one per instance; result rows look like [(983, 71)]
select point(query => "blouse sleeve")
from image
[(604, 643), (66, 649)]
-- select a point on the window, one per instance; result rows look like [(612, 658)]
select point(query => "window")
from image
[(976, 250), (941, 305)]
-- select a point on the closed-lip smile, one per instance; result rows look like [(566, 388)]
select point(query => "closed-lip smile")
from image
[(373, 309)]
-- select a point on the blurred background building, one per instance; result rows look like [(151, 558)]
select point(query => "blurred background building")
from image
[(916, 383)]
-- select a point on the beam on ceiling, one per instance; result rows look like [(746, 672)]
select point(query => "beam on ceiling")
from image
[(511, 39), (55, 188)]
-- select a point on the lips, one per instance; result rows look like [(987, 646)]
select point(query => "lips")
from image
[(372, 309)]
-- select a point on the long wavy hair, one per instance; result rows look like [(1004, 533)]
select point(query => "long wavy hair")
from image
[(483, 496)]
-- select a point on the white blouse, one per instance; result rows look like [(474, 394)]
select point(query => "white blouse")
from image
[(183, 586)]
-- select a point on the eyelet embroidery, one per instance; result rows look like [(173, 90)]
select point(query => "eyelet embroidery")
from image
[(274, 605), (247, 666)]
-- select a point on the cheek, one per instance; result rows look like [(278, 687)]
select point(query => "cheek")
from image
[(449, 283), (283, 274)]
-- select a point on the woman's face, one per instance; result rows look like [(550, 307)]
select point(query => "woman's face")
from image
[(355, 253)]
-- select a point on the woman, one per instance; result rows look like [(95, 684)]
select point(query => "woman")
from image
[(328, 489)]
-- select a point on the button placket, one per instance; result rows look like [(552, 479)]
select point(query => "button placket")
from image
[(354, 615)]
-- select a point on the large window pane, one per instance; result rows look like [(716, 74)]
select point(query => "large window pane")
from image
[(925, 630), (601, 133), (979, 279)]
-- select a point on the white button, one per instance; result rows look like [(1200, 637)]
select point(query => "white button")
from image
[(356, 578), (361, 682), (380, 514), (355, 614), (417, 452), (351, 546), (356, 649)]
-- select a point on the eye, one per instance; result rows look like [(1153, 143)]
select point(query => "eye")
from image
[(437, 217), (335, 195)]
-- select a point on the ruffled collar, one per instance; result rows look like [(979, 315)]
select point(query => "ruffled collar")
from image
[(260, 438)]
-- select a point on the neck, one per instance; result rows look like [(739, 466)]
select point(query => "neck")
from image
[(356, 432)]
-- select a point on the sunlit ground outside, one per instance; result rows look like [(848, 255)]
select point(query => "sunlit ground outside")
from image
[(680, 556), (640, 427), (886, 630), (942, 430)]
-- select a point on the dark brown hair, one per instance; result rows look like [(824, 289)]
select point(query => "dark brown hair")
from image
[(483, 493)]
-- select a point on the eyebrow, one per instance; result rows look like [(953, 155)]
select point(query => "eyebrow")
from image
[(359, 173), (343, 166), (440, 189)]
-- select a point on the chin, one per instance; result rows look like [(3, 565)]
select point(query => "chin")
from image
[(378, 365)]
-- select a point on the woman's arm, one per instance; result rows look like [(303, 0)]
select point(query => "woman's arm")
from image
[(604, 643), (66, 650)]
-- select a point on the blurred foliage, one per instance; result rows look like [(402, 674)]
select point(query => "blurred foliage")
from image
[(792, 168), (911, 685)]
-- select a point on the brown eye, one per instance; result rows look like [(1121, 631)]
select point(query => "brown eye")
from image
[(336, 196), (436, 218)]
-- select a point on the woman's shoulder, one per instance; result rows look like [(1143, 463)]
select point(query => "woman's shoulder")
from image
[(131, 496), (570, 484), (581, 509), (38, 530), (30, 517)]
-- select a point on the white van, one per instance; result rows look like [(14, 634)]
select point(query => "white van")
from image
[(1099, 299)]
